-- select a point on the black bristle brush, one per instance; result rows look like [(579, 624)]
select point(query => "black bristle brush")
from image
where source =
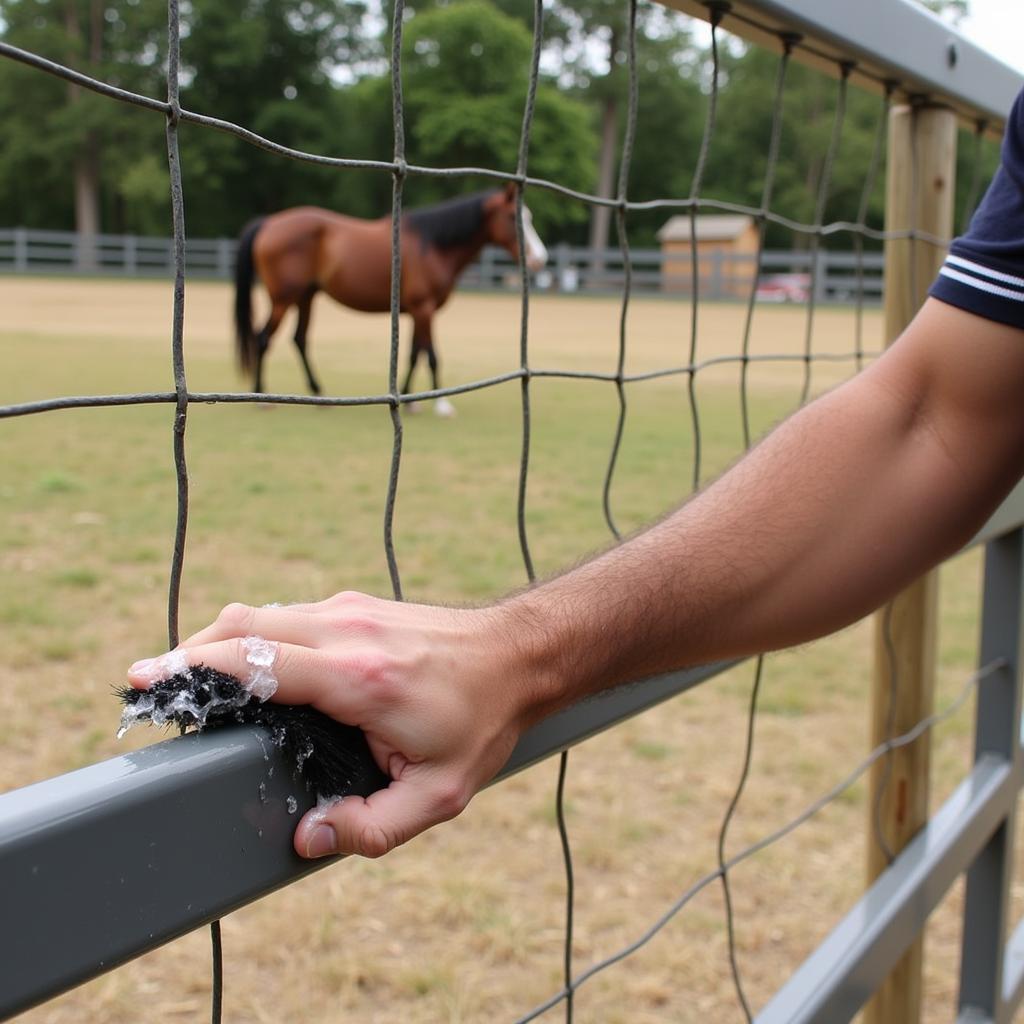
[(333, 759)]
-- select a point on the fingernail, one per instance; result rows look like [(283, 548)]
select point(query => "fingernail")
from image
[(154, 670), (146, 671), (323, 841)]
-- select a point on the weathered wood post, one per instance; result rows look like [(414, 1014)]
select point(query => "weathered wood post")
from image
[(920, 182)]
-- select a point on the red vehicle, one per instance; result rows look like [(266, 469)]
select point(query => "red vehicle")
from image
[(784, 288)]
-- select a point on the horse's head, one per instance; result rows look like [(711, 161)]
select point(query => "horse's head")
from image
[(500, 222)]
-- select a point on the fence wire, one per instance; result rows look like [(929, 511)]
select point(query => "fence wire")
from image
[(400, 170)]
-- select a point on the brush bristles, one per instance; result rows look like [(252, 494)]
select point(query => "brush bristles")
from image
[(332, 758)]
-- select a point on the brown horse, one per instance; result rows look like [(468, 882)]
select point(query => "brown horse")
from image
[(302, 251)]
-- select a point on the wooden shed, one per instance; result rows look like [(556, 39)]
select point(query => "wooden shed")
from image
[(726, 249)]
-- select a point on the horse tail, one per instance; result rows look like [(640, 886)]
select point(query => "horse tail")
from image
[(245, 340)]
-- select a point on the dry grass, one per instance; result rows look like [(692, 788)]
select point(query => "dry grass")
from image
[(465, 924)]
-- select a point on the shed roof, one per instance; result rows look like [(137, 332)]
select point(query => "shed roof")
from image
[(710, 227)]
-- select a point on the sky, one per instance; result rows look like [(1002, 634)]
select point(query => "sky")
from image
[(997, 26)]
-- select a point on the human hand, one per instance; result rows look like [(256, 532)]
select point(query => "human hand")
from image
[(429, 686)]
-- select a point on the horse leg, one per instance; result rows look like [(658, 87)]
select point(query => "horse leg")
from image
[(414, 357), (419, 345), (423, 341), (442, 407), (416, 349), (305, 306), (263, 339)]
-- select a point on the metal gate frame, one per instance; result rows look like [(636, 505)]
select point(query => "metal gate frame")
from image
[(108, 862)]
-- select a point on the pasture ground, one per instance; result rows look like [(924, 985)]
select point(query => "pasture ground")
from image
[(464, 924)]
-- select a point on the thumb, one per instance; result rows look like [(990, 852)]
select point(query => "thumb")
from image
[(374, 825)]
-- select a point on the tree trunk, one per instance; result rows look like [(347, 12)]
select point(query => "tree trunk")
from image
[(87, 189), (87, 160), (815, 168), (600, 218)]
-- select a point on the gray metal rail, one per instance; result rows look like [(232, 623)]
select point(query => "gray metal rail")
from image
[(103, 861), (847, 968), (895, 41), (973, 832)]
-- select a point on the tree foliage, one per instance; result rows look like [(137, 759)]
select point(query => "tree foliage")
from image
[(466, 70), (738, 158), (48, 122), (313, 75)]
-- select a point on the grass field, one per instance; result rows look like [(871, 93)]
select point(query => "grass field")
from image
[(464, 924)]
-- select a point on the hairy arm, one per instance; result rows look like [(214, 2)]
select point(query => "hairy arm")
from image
[(840, 506)]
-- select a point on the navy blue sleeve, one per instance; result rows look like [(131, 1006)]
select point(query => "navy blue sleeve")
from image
[(984, 271)]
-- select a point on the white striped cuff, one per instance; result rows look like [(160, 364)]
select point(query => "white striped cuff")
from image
[(984, 279)]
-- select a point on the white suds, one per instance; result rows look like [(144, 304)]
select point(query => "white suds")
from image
[(173, 663), (293, 805), (303, 756), (133, 712), (146, 708), (324, 806), (260, 654)]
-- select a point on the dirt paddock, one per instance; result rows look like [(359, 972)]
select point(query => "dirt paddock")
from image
[(465, 924)]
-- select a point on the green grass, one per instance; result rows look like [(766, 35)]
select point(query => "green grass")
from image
[(80, 578), (651, 751), (288, 503), (59, 483)]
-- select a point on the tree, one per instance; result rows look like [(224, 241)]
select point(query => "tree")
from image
[(265, 64), (52, 125), (466, 70), (593, 48), (738, 158), (313, 75), (585, 43), (670, 124), (268, 68)]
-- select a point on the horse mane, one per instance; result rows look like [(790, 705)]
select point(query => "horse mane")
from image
[(450, 222)]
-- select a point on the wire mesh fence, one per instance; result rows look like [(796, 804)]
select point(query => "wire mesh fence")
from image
[(692, 367)]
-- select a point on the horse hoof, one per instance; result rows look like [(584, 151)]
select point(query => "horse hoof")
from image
[(412, 408), (442, 407)]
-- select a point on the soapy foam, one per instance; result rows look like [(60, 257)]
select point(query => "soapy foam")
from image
[(260, 654)]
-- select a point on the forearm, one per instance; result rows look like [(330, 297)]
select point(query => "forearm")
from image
[(843, 504), (840, 506)]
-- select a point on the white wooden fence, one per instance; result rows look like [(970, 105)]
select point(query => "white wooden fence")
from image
[(830, 275)]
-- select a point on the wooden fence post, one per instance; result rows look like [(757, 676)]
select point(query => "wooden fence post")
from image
[(919, 194)]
